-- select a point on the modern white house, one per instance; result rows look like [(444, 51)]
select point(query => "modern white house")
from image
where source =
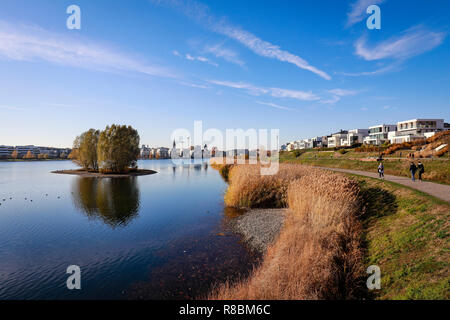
[(379, 134), (316, 142), (337, 139), (294, 145), (416, 129), (324, 141), (356, 136), (403, 131)]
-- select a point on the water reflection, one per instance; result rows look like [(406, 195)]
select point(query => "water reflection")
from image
[(114, 201)]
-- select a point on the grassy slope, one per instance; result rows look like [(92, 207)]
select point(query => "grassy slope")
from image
[(435, 170), (407, 236)]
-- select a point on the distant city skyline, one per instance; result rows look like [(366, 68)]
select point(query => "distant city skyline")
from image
[(306, 68)]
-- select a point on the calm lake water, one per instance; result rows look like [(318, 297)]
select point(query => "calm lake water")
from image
[(162, 236)]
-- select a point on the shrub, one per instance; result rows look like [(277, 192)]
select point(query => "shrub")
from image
[(369, 148), (297, 153), (443, 151), (443, 135)]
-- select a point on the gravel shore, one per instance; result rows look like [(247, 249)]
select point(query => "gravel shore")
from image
[(259, 227)]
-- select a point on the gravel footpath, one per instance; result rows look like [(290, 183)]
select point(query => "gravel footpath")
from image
[(259, 227)]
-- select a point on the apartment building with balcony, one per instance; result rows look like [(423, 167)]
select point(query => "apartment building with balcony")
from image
[(355, 136), (6, 151), (337, 139), (416, 129), (379, 134), (23, 150)]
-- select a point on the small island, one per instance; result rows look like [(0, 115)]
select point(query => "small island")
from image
[(111, 153)]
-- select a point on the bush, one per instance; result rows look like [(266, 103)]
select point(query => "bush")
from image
[(441, 152), (443, 135), (297, 153), (369, 148)]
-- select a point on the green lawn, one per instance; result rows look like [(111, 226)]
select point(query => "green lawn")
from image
[(407, 236)]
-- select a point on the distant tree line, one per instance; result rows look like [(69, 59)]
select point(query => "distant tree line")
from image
[(113, 150), (31, 156)]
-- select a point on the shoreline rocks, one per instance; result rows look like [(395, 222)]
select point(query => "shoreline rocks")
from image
[(259, 227)]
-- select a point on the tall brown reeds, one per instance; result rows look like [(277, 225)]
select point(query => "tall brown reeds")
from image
[(318, 254), (248, 188)]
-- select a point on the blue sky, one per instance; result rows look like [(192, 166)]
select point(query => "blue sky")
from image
[(305, 67)]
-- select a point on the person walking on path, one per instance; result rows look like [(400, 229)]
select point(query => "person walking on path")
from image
[(413, 169), (381, 170), (421, 169)]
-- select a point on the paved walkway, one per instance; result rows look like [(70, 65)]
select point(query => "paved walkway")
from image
[(440, 191)]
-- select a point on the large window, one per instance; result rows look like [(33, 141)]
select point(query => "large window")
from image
[(376, 130)]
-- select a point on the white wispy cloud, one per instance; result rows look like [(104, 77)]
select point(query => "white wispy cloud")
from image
[(273, 105), (10, 107), (191, 57), (274, 92), (219, 51), (201, 14), (332, 100), (343, 92), (358, 10), (378, 71), (411, 42), (293, 94), (194, 85), (60, 105), (32, 43), (337, 94), (267, 49)]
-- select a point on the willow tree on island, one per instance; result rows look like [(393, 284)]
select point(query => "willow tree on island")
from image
[(86, 149), (113, 150), (118, 148)]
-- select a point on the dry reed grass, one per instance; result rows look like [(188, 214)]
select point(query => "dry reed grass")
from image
[(318, 254), (248, 188)]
